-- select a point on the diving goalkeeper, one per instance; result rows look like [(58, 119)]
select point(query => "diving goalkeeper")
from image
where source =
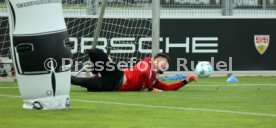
[(140, 77)]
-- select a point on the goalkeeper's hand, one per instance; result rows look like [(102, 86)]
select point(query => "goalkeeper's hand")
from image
[(191, 77)]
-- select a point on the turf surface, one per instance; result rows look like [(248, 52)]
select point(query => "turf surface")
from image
[(208, 103)]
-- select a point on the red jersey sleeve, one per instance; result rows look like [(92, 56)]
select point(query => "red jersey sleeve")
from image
[(168, 87)]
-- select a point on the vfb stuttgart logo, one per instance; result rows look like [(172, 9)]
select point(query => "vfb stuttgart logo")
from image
[(261, 43)]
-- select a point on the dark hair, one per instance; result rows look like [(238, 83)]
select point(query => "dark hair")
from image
[(162, 55)]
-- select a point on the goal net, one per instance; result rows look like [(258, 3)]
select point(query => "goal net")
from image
[(125, 32), (6, 67)]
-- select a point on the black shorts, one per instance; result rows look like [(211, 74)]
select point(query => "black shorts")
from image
[(110, 80)]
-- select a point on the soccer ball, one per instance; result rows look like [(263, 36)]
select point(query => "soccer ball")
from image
[(203, 69)]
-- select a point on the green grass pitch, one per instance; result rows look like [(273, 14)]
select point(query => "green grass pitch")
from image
[(208, 103)]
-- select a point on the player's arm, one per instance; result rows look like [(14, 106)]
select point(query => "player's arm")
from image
[(173, 86)]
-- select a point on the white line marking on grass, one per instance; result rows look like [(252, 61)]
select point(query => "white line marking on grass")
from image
[(7, 87), (167, 107), (256, 84), (178, 108), (229, 85), (10, 96)]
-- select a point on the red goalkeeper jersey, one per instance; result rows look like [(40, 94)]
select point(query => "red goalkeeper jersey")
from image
[(141, 77)]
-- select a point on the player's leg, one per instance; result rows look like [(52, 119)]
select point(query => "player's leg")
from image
[(92, 84), (97, 55), (97, 84), (110, 78)]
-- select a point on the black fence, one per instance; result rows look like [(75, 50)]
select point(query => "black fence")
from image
[(237, 42), (230, 44)]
